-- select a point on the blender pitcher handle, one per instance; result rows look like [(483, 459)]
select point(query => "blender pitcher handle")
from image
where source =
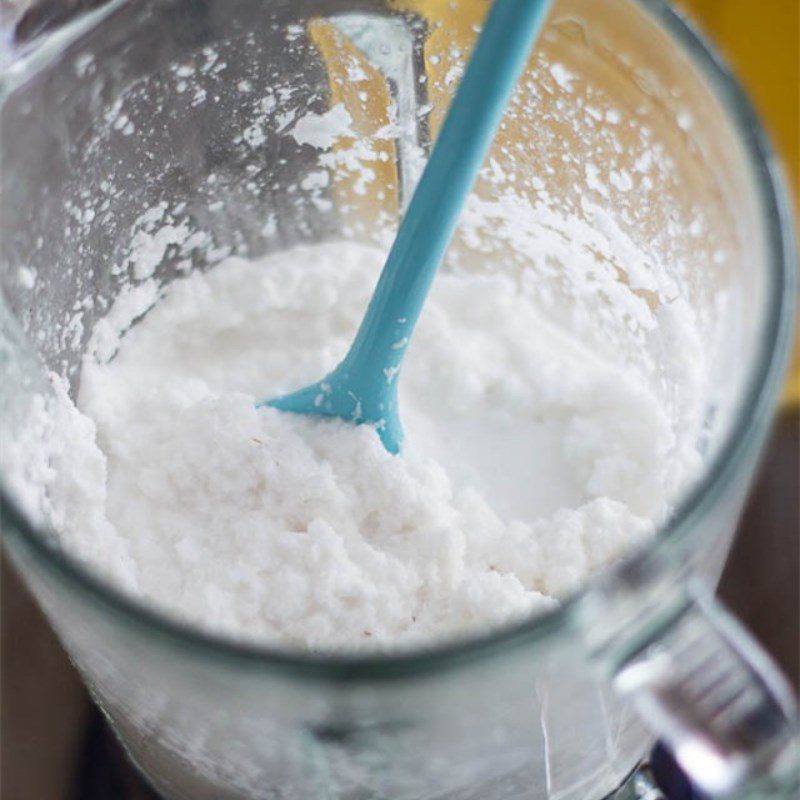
[(714, 697)]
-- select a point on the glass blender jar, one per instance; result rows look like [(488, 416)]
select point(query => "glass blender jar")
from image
[(180, 104)]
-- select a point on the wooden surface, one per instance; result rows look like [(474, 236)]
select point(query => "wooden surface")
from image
[(55, 745)]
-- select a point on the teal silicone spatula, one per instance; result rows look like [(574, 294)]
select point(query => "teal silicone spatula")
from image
[(363, 388)]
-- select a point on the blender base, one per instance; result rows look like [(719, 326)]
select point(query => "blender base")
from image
[(105, 771)]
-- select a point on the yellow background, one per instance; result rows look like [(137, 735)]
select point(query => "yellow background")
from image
[(760, 39)]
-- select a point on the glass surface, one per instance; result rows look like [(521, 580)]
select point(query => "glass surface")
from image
[(183, 103)]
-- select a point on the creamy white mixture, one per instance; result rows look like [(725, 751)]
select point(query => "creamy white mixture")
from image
[(529, 461)]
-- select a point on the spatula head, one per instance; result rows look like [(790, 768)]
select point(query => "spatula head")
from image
[(341, 395)]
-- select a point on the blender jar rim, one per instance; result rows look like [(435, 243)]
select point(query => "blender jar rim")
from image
[(754, 409)]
